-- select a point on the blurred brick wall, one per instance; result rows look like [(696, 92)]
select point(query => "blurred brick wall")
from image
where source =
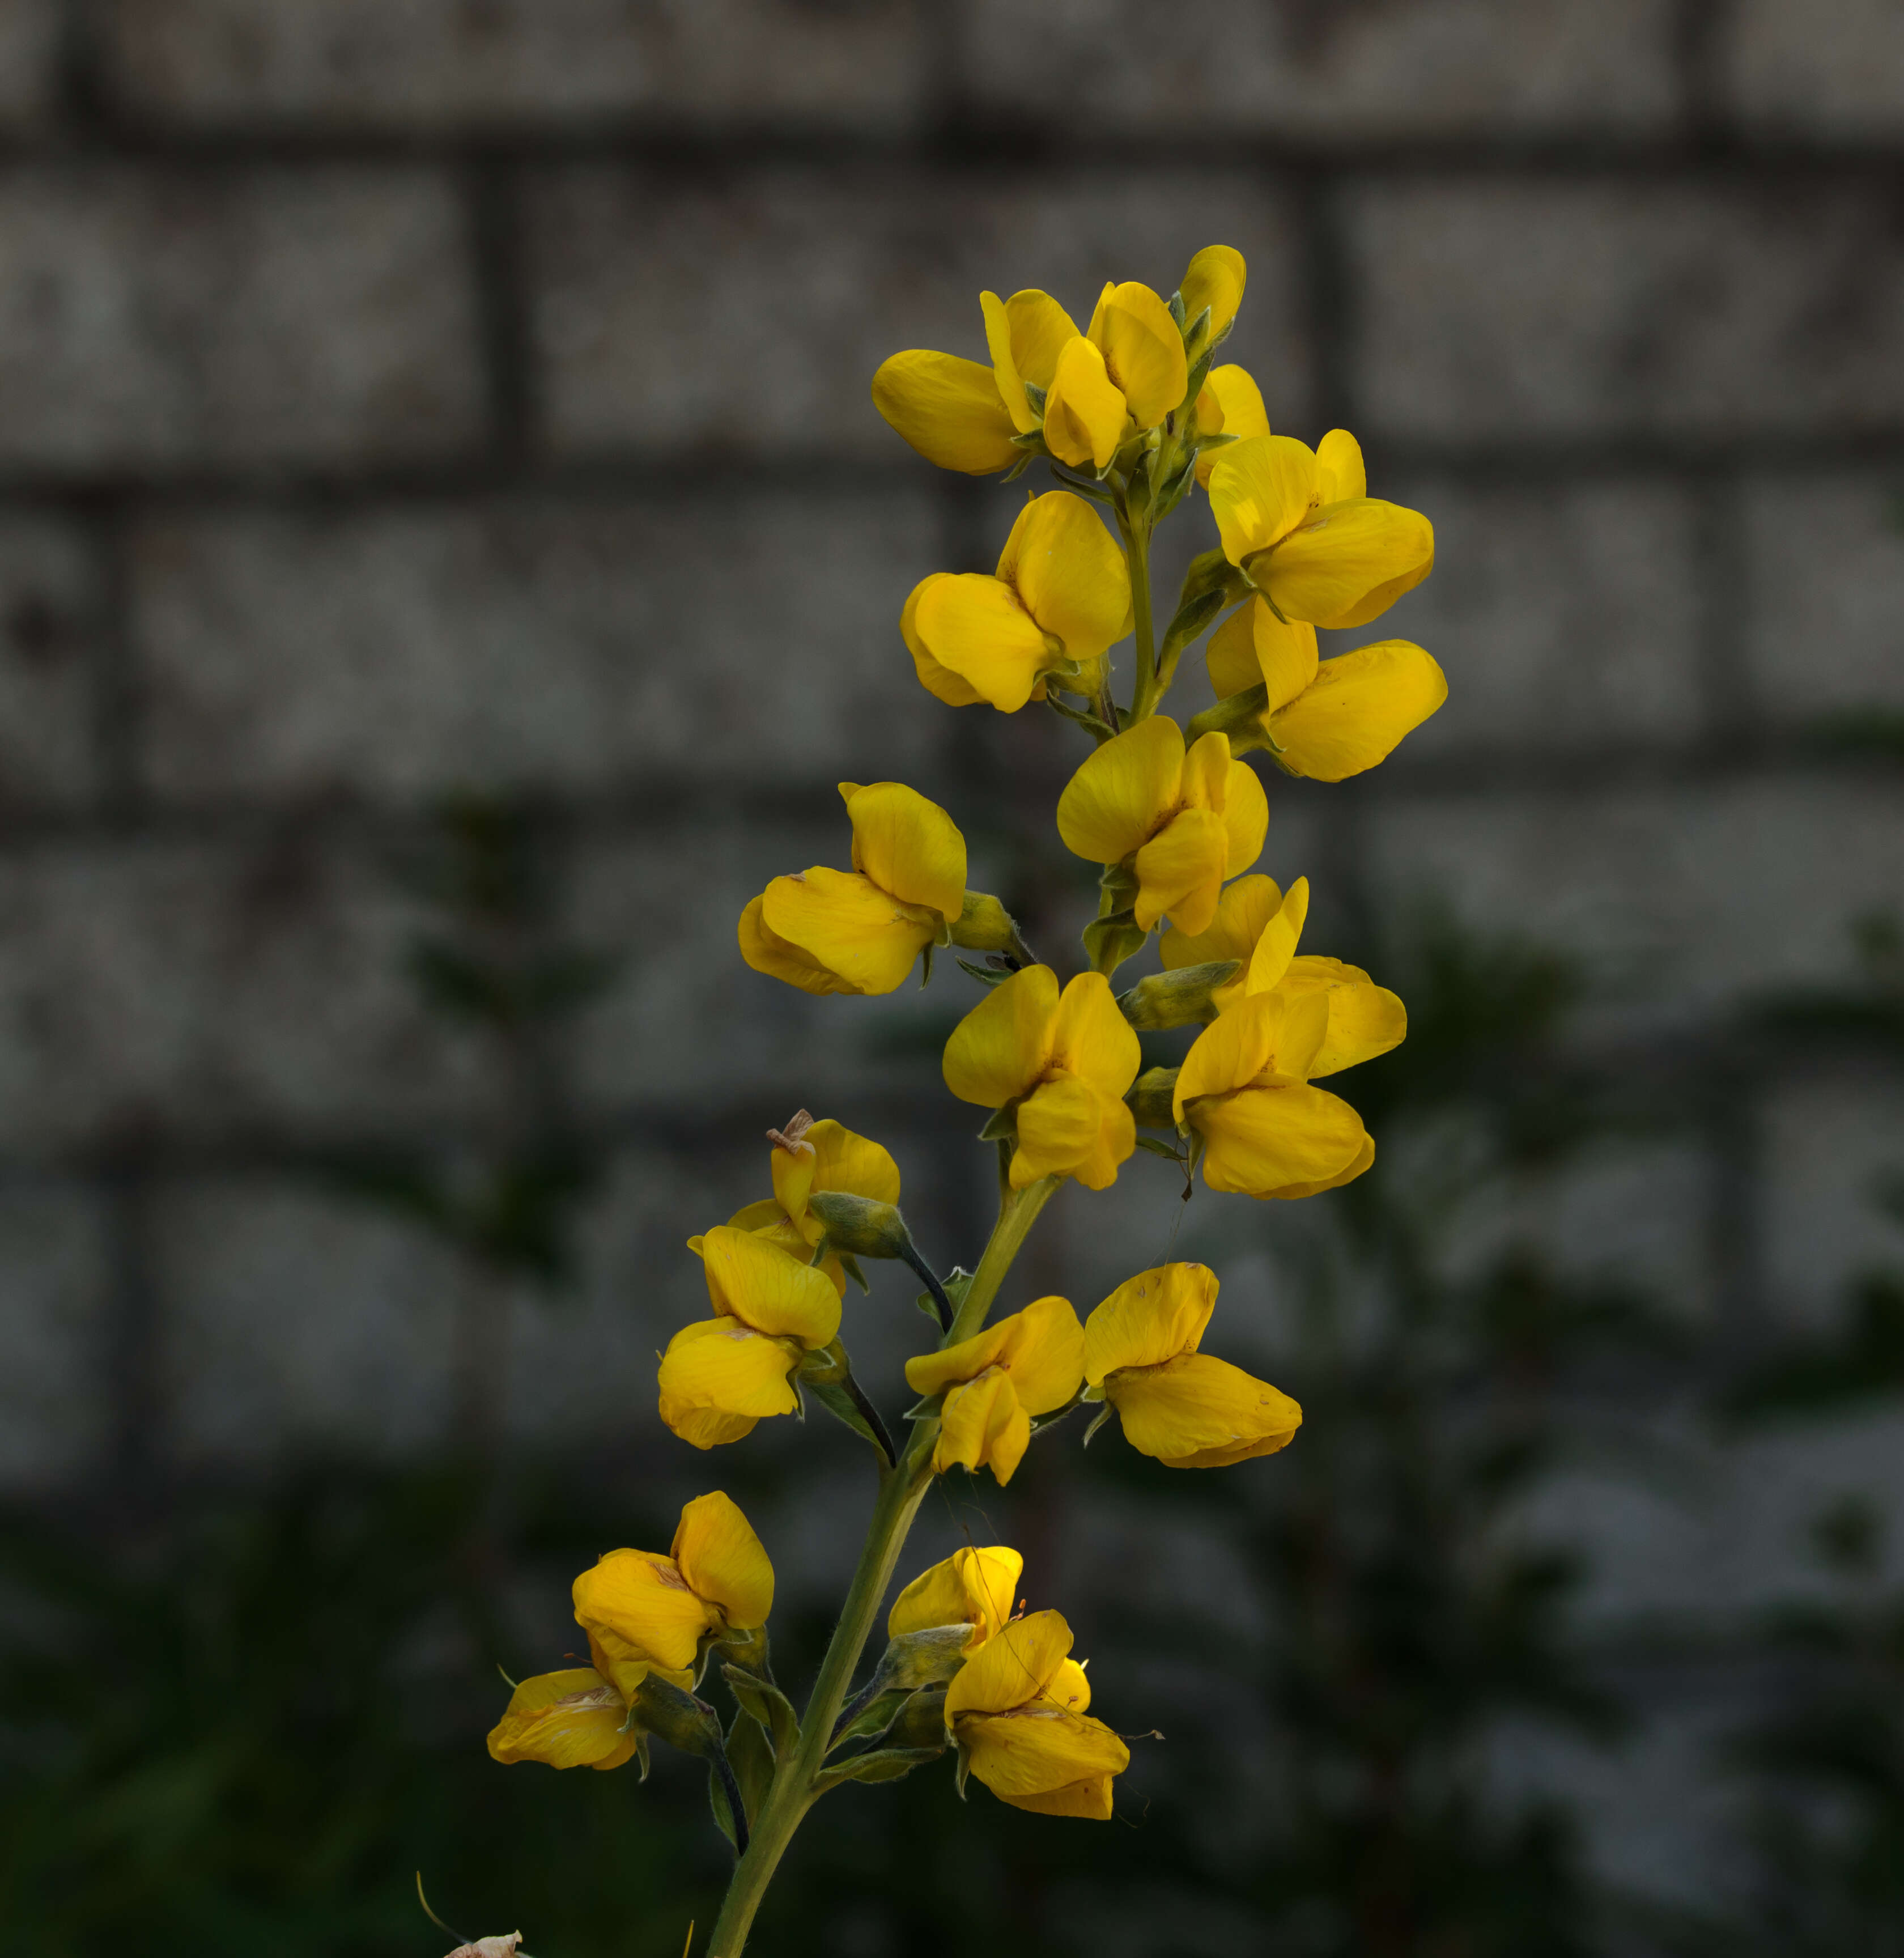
[(402, 395)]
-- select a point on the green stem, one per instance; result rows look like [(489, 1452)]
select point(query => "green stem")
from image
[(1136, 536), (902, 1488)]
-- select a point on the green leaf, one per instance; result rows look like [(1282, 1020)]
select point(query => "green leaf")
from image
[(887, 1764), (723, 1813), (764, 1702), (751, 1756)]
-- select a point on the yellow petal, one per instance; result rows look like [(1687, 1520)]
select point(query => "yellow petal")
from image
[(1242, 911), (1068, 574), (1114, 1146), (947, 409), (1332, 565), (1070, 1687), (1260, 489), (928, 1374), (974, 627), (569, 1719), (1030, 331), (1149, 1318), (1057, 1128), (843, 1160), (982, 1426), (1261, 1139), (1084, 414), (1364, 1019), (624, 1669), (975, 1586), (716, 1550), (1179, 870), (1122, 793), (705, 1427), (1143, 351), (1230, 655), (792, 1172), (755, 1281), (1234, 1048), (767, 952), (1215, 279), (1365, 1159), (1205, 779), (849, 925), (1276, 946), (643, 1601), (1246, 817), (1338, 458), (1092, 1038), (1044, 1354), (1006, 376), (1012, 1670), (908, 846), (1003, 1045), (1358, 709), (1286, 657), (1239, 412), (718, 1377), (1194, 1407), (939, 681), (1045, 1759)]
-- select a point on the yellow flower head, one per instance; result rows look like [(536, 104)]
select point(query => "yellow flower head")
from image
[(1087, 392), (1186, 821), (644, 1612), (1030, 1364), (1188, 1410), (1328, 719), (1256, 924), (1301, 525), (1231, 403), (1060, 599), (972, 1587), (809, 1156), (720, 1375), (1016, 1711), (1066, 1059), (573, 1718), (1244, 1088), (860, 931)]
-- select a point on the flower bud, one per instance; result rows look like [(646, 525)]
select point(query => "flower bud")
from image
[(1151, 1096), (677, 1717), (984, 925), (859, 1226), (1179, 998)]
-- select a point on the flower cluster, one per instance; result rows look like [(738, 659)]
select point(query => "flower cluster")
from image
[(1132, 416)]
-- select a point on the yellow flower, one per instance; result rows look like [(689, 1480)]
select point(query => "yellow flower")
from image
[(1185, 821), (644, 1612), (1060, 599), (1030, 1364), (1125, 374), (1215, 279), (572, 1718), (1329, 719), (1258, 925), (972, 1587), (860, 931), (809, 1156), (1301, 526), (720, 1375), (1016, 1711), (1231, 403), (1188, 1410), (1065, 1060), (1243, 1087)]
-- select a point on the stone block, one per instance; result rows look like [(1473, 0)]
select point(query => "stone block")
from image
[(1829, 70), (1327, 73), (1502, 311), (30, 31), (55, 1308), (1684, 901), (745, 639), (413, 65), (320, 317), (1564, 616), (747, 313), (1825, 621), (50, 622)]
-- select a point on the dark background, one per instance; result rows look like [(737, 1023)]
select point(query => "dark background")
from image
[(448, 555)]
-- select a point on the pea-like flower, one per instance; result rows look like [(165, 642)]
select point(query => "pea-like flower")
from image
[(1061, 1063), (643, 1611), (576, 1718), (1059, 600), (1031, 1363), (1187, 1408), (1231, 403), (973, 1586), (720, 1375), (861, 931), (1183, 822), (1123, 376), (1260, 926), (1326, 719), (1244, 1088), (1301, 525), (1016, 1713)]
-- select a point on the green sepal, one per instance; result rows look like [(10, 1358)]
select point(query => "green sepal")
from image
[(1040, 1422), (1176, 311), (887, 1764), (765, 1704), (1152, 1097), (824, 1373), (1001, 1125), (1035, 398), (750, 1754), (677, 1717), (1192, 616), (1179, 998), (986, 975), (723, 1810), (1111, 940), (1158, 1147), (1103, 1415), (851, 1266), (1239, 717), (1018, 468), (1199, 370), (925, 967), (872, 1721)]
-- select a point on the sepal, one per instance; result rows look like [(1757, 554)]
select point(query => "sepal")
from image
[(858, 1225), (985, 925), (765, 1704), (1179, 998), (1241, 718), (1111, 940)]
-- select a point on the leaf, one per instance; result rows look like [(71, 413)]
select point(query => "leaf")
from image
[(887, 1764), (833, 1396), (751, 1756), (723, 1812), (764, 1702)]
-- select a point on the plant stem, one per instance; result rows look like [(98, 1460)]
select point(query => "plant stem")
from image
[(1135, 532), (902, 1488)]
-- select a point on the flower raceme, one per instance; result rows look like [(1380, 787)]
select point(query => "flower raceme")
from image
[(1059, 600), (720, 1375), (1030, 1364), (1327, 719), (1186, 1409), (1061, 1063), (1016, 1713), (1300, 525), (975, 1587), (1182, 821)]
